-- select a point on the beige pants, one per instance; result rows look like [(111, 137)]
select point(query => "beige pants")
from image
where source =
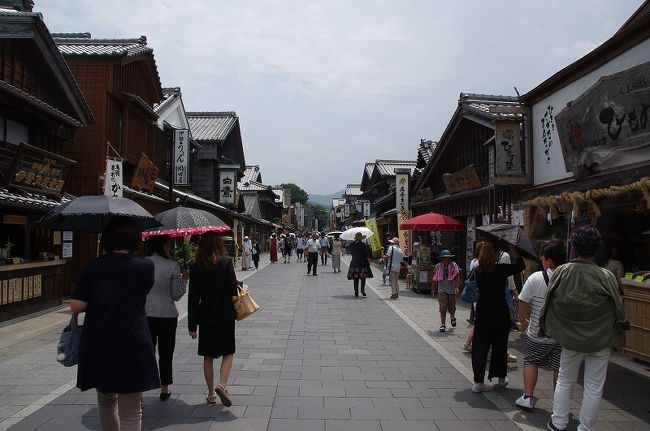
[(394, 282), (120, 412)]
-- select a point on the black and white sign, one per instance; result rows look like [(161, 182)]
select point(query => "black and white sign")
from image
[(181, 157), (113, 183)]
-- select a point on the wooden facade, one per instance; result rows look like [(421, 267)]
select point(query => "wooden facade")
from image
[(466, 144), (41, 109), (121, 87)]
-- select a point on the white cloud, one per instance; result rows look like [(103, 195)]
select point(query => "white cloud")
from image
[(363, 79)]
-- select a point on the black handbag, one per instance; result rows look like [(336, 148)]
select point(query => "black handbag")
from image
[(68, 347)]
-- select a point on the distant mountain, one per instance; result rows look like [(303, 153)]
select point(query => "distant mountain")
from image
[(324, 200)]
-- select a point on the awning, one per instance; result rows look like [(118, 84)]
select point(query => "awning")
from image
[(447, 197), (30, 201)]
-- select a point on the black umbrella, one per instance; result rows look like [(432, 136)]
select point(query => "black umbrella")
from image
[(183, 221), (512, 235), (91, 213)]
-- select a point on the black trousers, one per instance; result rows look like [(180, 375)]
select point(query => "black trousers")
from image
[(491, 329), (256, 260), (312, 261), (163, 333), (356, 285)]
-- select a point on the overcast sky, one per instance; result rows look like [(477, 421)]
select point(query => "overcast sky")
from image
[(321, 87)]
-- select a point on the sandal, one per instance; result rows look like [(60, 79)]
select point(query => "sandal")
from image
[(222, 393), (211, 399), (453, 322)]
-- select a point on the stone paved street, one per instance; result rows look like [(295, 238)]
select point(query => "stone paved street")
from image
[(313, 358)]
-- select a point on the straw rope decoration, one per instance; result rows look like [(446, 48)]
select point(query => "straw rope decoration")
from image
[(577, 199)]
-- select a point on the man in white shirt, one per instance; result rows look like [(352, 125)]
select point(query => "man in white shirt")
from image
[(393, 260), (247, 249), (539, 351), (312, 248)]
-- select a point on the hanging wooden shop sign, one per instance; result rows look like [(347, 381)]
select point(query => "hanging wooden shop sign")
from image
[(465, 179)]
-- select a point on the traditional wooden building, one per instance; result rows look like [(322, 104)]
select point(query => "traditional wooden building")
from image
[(260, 204), (590, 141), (476, 171), (120, 80), (41, 110)]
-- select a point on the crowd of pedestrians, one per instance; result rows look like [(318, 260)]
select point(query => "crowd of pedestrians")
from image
[(571, 314)]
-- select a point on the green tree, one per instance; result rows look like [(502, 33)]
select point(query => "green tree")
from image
[(322, 214), (297, 193)]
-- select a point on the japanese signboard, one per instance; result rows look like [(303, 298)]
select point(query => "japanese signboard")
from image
[(404, 235), (366, 209), (402, 189), (113, 183), (465, 179), (145, 175), (507, 137), (227, 186), (346, 210), (37, 170), (375, 241), (609, 118), (181, 157)]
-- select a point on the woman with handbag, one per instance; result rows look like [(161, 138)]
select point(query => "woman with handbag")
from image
[(213, 283), (116, 355), (492, 324), (168, 287), (360, 264)]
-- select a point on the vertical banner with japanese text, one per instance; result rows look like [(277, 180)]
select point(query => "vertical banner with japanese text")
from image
[(402, 189), (227, 187), (181, 157), (375, 241), (113, 183), (404, 235)]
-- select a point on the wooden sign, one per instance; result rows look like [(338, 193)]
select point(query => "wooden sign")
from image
[(14, 219), (145, 175), (610, 117), (39, 171), (507, 141), (465, 179)]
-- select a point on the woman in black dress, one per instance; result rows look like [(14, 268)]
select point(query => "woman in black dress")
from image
[(360, 264), (116, 355), (492, 321), (213, 283)]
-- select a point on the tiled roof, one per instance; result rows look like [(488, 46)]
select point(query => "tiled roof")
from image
[(211, 126), (252, 186), (386, 168), (353, 190), (369, 169), (169, 95), (31, 200), (426, 149), (141, 102), (252, 173), (82, 44), (192, 197), (481, 104), (38, 103)]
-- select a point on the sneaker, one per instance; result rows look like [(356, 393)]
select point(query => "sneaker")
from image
[(453, 322), (481, 387), (503, 382), (443, 328), (525, 401), (551, 427)]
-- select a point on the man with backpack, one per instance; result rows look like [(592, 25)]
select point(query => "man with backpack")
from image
[(540, 351)]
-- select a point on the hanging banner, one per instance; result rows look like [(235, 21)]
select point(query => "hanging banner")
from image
[(227, 187), (375, 241), (181, 157), (145, 175), (366, 209), (507, 137), (402, 189), (113, 178), (404, 235)]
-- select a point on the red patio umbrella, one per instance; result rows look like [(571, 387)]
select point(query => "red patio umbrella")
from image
[(432, 221)]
